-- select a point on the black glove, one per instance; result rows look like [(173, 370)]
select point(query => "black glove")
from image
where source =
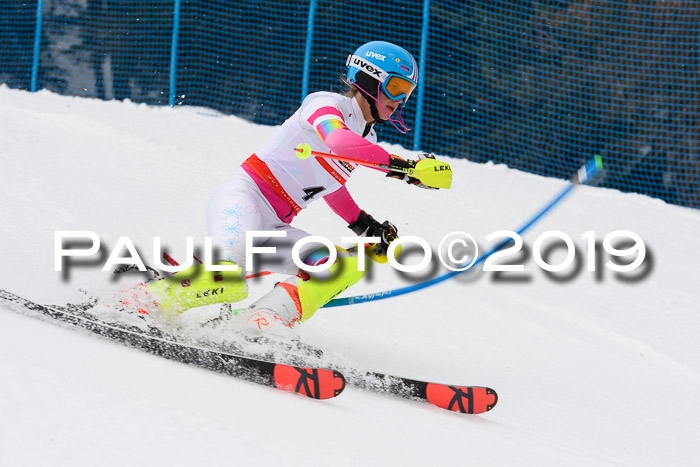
[(366, 226), (397, 161)]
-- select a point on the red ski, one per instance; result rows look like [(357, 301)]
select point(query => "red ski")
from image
[(463, 399)]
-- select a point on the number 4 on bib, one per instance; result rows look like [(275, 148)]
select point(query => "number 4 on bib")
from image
[(313, 191)]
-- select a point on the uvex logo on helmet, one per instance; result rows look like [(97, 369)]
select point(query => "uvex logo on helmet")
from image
[(368, 68), (376, 55)]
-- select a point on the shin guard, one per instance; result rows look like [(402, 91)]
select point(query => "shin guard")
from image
[(195, 287), (316, 292)]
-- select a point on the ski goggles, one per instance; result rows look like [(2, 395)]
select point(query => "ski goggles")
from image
[(397, 87)]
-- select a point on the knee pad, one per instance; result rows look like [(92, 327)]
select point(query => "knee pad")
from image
[(317, 258), (321, 289)]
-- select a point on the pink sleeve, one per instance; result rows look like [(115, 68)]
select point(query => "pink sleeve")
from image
[(329, 124), (342, 204), (346, 143)]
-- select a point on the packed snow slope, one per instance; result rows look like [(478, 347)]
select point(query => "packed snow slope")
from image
[(596, 368)]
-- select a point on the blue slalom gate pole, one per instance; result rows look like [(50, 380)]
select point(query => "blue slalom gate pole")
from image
[(583, 175), (421, 74), (307, 49), (37, 45), (173, 53)]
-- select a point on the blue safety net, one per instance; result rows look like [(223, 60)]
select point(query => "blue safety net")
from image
[(538, 85), (17, 31)]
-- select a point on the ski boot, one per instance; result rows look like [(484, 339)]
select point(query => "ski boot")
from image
[(296, 299)]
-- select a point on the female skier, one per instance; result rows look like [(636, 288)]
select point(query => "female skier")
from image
[(273, 185)]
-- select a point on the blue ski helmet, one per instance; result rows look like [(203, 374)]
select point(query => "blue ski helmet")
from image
[(391, 66)]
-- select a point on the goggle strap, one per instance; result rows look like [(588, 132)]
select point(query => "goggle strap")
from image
[(404, 129)]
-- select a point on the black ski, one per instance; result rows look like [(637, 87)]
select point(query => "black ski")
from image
[(315, 383), (309, 381)]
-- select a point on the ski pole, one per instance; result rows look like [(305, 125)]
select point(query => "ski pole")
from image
[(430, 172)]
